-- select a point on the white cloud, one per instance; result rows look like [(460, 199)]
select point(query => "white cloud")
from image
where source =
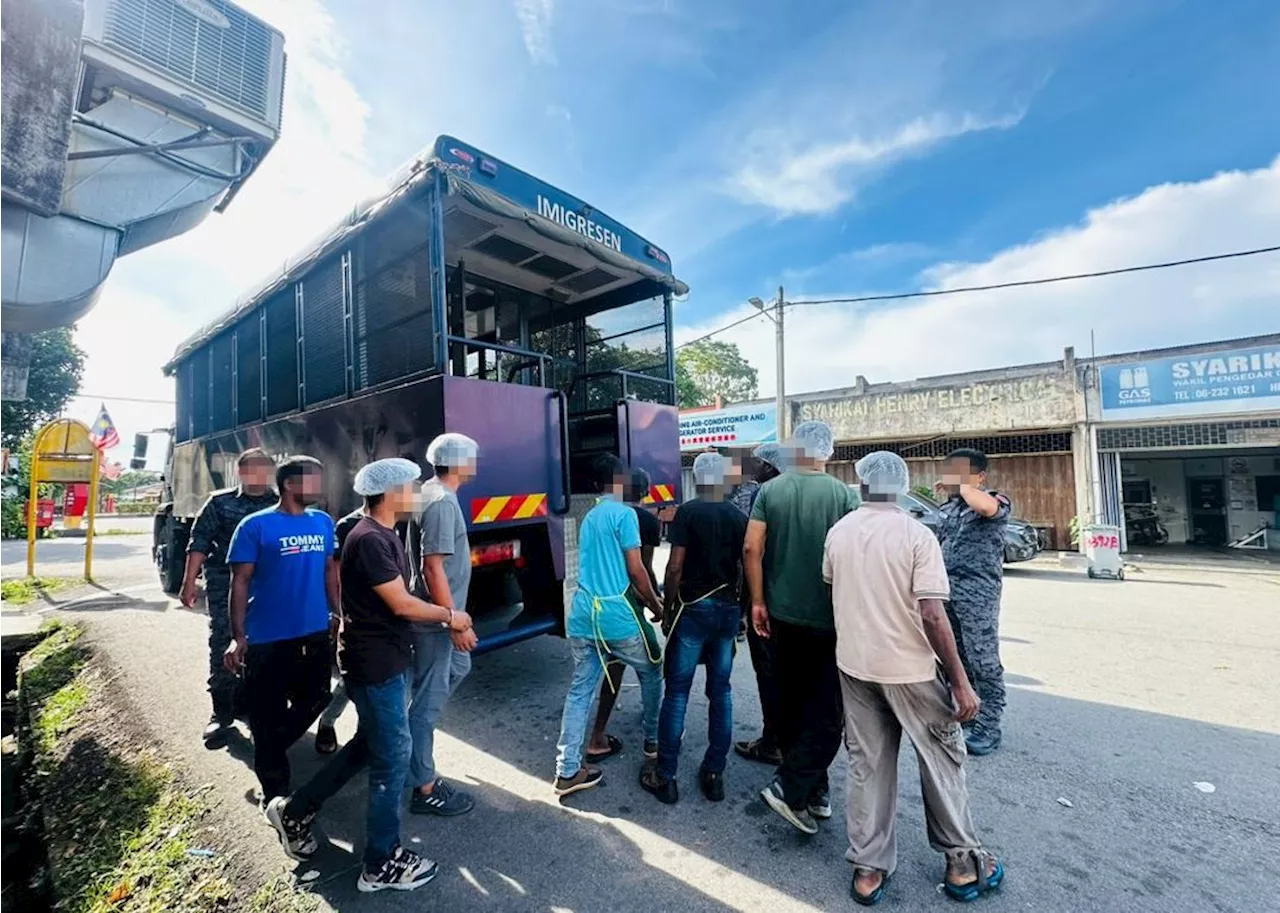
[(829, 345), (316, 172), (535, 28), (822, 176)]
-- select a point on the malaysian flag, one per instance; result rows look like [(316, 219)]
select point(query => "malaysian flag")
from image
[(104, 432)]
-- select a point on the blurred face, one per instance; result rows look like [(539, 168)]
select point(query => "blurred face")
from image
[(958, 472), (256, 474), (733, 472), (308, 488), (467, 471), (404, 500)]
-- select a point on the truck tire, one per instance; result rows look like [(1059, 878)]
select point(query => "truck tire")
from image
[(171, 548)]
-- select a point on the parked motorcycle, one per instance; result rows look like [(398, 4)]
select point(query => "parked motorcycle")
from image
[(1142, 525)]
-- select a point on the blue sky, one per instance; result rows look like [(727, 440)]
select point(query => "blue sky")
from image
[(835, 148)]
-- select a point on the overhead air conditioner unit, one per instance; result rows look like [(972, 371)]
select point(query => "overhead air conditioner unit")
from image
[(126, 123), (207, 59)]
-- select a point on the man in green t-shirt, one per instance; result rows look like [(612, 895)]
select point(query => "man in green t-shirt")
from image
[(791, 605)]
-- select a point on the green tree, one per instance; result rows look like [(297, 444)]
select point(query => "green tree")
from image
[(688, 393), (713, 368), (57, 364)]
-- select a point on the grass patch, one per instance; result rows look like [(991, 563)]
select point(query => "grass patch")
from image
[(124, 834), (26, 589)]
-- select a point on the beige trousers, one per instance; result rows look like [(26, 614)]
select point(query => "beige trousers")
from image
[(875, 716)]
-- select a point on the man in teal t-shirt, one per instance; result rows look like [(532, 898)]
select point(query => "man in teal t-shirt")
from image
[(791, 605), (602, 625)]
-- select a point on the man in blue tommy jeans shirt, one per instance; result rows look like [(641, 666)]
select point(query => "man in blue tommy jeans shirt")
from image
[(284, 587)]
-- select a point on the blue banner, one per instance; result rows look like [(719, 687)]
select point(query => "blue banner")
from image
[(1235, 380), (732, 427), (549, 202)]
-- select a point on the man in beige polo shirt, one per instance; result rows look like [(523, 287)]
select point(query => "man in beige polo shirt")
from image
[(900, 671)]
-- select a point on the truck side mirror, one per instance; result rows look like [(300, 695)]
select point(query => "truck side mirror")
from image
[(138, 463), (140, 442)]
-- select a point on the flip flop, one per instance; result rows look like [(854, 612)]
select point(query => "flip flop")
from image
[(868, 900), (966, 893), (615, 747)]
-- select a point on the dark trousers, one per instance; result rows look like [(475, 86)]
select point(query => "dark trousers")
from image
[(766, 682), (223, 685), (704, 635), (811, 718), (382, 744), (286, 687), (976, 626)]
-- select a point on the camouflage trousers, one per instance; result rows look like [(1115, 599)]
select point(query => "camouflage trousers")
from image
[(976, 625), (222, 684)]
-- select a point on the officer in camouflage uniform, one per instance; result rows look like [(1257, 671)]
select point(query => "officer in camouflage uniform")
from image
[(207, 550), (971, 530)]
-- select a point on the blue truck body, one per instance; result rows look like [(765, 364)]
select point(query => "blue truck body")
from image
[(471, 297)]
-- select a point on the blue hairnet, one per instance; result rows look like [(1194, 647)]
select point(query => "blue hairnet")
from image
[(883, 473), (452, 450), (380, 476), (814, 440), (770, 453), (709, 469)]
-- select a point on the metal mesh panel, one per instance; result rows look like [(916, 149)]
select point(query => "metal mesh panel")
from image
[(282, 352), (232, 63), (220, 413), (1191, 434), (938, 448), (182, 390), (324, 344), (200, 393), (393, 319), (249, 369)]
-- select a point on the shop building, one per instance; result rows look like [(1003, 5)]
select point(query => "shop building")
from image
[(1028, 419), (1185, 444)]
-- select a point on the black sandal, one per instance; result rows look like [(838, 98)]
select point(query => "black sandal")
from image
[(965, 893), (615, 747), (868, 900)]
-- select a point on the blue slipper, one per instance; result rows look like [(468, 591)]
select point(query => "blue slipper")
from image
[(868, 900), (966, 893)]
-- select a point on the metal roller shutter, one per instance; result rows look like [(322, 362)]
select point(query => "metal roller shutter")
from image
[(282, 352), (249, 369), (324, 344)]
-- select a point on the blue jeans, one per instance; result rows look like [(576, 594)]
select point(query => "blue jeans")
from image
[(587, 673), (705, 633), (382, 744), (438, 670)]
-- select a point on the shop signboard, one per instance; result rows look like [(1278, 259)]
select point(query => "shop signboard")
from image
[(732, 426), (1214, 383)]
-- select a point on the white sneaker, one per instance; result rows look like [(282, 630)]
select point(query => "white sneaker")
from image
[(404, 871), (800, 819)]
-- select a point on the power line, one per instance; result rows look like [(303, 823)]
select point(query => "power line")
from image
[(124, 399), (1020, 283)]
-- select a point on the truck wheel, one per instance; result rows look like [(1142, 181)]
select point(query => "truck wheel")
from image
[(171, 557)]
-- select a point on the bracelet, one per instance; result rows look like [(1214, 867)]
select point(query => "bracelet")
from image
[(448, 625)]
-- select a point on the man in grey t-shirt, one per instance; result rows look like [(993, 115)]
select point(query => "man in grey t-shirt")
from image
[(441, 658)]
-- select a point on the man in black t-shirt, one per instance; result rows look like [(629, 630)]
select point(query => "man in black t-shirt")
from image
[(375, 654), (326, 734), (704, 579), (602, 745)]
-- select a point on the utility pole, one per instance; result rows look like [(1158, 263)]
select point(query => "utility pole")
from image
[(781, 402), (782, 369)]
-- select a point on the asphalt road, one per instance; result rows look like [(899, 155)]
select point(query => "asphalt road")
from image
[(1123, 697)]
